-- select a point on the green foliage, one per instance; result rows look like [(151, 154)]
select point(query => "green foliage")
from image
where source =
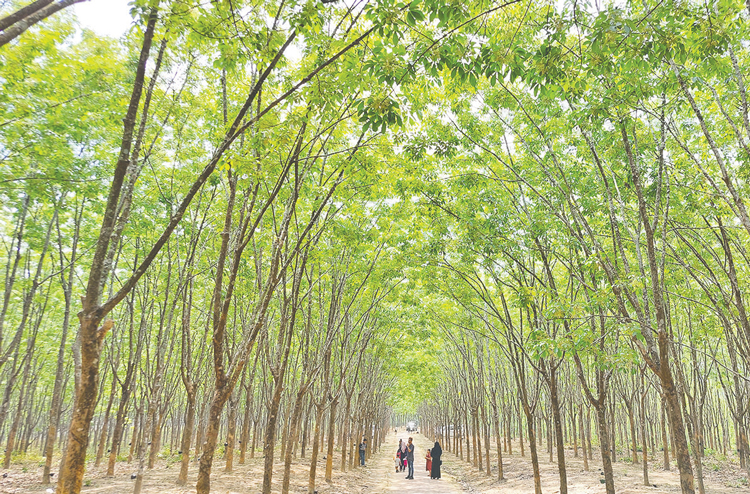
[(484, 197)]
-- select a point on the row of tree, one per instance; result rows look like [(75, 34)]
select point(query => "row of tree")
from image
[(591, 192), (297, 183), (235, 272)]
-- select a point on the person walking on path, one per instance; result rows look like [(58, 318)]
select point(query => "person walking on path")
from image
[(410, 458), (437, 452), (362, 449), (429, 462)]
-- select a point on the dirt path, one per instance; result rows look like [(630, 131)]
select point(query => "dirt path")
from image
[(383, 466)]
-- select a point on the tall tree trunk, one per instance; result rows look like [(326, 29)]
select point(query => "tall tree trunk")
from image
[(58, 390), (91, 334)]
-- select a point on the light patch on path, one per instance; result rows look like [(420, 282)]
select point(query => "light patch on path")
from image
[(388, 480)]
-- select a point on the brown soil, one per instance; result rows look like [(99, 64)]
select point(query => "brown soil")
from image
[(245, 479), (721, 477), (379, 476)]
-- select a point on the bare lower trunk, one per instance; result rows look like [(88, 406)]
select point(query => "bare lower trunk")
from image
[(231, 430), (245, 434), (74, 461), (315, 448), (664, 439), (486, 429), (346, 432), (255, 438), (269, 444), (105, 426), (498, 434), (631, 421), (331, 436), (609, 478), (583, 439), (143, 443), (558, 432), (678, 432), (155, 442), (642, 403), (532, 449), (11, 444), (203, 486), (187, 435), (292, 439)]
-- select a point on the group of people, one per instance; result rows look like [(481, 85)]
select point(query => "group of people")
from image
[(404, 459)]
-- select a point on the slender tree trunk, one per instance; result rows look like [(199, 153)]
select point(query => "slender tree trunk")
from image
[(245, 434), (642, 403), (143, 443), (346, 431), (269, 441), (58, 390), (664, 440), (555, 403), (331, 437), (678, 430), (231, 430), (187, 435), (532, 450), (631, 422), (609, 478), (486, 429), (11, 444), (105, 426), (119, 429), (203, 486), (315, 448), (583, 439), (292, 439), (498, 435)]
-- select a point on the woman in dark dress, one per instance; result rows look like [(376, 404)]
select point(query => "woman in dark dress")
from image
[(436, 453)]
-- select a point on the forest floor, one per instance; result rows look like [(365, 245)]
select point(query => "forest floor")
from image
[(379, 476), (721, 477)]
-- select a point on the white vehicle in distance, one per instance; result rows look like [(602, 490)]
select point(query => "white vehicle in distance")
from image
[(411, 427)]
